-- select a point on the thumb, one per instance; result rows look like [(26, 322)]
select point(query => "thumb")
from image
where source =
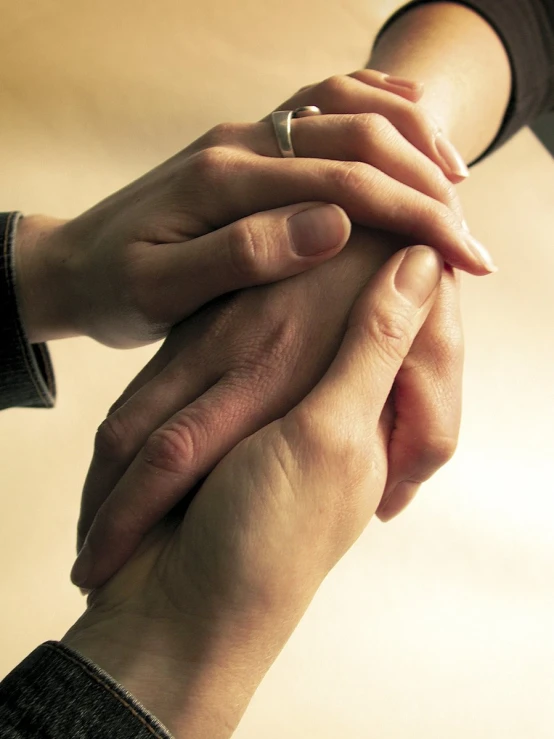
[(261, 248), (382, 326)]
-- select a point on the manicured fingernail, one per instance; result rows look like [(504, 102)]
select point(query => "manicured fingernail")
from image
[(403, 82), (82, 567), (418, 274), (318, 229), (400, 497), (450, 155), (480, 253)]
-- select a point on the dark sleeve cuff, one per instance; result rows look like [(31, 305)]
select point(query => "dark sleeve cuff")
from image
[(527, 31), (26, 374), (57, 693)]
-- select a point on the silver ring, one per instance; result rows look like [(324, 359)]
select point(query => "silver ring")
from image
[(281, 125), (281, 120), (306, 111)]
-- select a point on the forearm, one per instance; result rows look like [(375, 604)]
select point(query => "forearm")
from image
[(43, 279), (462, 63), (178, 686), (196, 684)]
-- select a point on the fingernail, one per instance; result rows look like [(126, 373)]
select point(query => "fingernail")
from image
[(82, 567), (450, 155), (418, 274), (464, 225), (402, 82), (400, 497), (317, 229), (479, 252)]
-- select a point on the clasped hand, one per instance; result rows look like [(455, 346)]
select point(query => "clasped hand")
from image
[(244, 361), (193, 621)]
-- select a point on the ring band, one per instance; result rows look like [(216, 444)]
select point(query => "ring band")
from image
[(306, 111), (281, 124), (281, 120)]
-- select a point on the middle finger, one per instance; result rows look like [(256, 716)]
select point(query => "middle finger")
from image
[(370, 138), (246, 184)]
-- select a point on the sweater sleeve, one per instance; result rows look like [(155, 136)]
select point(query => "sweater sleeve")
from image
[(57, 693), (526, 28), (26, 375)]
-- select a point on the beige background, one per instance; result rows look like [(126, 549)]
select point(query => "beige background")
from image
[(438, 625)]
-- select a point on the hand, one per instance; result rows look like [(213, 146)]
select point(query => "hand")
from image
[(251, 359), (121, 272), (192, 623), (344, 94), (261, 248), (236, 366), (428, 389)]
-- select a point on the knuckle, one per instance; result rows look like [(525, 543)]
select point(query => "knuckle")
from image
[(113, 441), (367, 76), (375, 126), (219, 135), (266, 359), (334, 88), (265, 363), (448, 345), (113, 525), (390, 332), (172, 448), (116, 406), (368, 130), (417, 125), (248, 251), (328, 445), (305, 88), (285, 455), (440, 187), (351, 177), (282, 333), (438, 450), (437, 214), (414, 118), (445, 189), (212, 164)]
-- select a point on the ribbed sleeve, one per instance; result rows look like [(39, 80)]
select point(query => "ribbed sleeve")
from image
[(55, 693), (26, 374)]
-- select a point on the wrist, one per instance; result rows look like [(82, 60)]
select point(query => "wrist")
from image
[(462, 63), (196, 686), (42, 279)]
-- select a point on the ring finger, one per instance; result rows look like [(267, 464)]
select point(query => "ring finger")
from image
[(358, 93), (369, 138)]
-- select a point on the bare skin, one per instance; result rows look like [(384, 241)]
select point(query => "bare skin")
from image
[(212, 598), (444, 46), (468, 98)]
